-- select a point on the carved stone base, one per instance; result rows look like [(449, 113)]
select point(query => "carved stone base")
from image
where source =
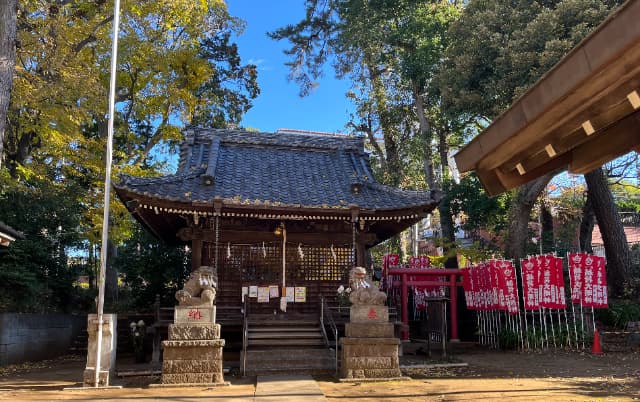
[(370, 358), (191, 358)]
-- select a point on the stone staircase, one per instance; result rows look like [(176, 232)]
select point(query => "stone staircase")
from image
[(284, 343)]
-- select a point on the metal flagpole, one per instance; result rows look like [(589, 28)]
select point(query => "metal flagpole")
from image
[(107, 188), (581, 322)]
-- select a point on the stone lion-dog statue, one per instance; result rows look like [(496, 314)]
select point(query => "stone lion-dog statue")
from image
[(362, 293), (200, 289)]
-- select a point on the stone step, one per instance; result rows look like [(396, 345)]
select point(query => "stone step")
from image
[(285, 342), (302, 360), (284, 335), (277, 329), (292, 323)]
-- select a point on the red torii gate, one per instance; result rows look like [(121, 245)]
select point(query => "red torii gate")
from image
[(404, 284)]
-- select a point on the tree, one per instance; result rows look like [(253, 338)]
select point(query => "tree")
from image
[(150, 268), (177, 66), (34, 272), (7, 61), (390, 50), (497, 50), (613, 236)]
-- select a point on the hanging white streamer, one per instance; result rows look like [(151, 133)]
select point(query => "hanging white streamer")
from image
[(228, 250), (300, 252), (333, 253), (264, 251)]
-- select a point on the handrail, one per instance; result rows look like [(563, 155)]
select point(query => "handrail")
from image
[(325, 311), (324, 331), (245, 334)]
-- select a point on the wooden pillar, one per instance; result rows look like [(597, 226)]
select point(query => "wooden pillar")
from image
[(404, 311), (360, 260), (453, 293), (196, 254)]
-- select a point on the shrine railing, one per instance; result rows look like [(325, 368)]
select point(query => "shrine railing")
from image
[(327, 316), (245, 334)]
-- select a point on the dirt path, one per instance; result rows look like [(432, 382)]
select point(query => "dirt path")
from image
[(511, 376), (490, 376)]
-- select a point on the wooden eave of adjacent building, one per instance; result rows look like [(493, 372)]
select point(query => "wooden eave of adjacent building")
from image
[(583, 112), (8, 234)]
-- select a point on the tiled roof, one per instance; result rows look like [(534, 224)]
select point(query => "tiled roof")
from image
[(275, 170), (631, 232)]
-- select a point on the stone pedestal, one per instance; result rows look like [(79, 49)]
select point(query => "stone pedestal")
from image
[(369, 350), (108, 349), (193, 353)]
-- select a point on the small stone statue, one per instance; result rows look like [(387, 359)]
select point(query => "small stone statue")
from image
[(362, 292), (200, 289)]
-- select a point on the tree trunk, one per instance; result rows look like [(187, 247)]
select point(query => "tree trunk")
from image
[(613, 236), (448, 233), (586, 225), (111, 274), (519, 215), (546, 220), (8, 9), (427, 136)]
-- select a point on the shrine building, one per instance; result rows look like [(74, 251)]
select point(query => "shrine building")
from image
[(289, 211)]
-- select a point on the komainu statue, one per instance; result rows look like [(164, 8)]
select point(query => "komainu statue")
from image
[(362, 293), (200, 289)]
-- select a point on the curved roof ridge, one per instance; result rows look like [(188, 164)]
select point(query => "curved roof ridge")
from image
[(288, 139)]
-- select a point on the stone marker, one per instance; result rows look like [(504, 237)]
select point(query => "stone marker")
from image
[(107, 352)]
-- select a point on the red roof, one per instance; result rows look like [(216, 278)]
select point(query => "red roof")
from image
[(632, 233)]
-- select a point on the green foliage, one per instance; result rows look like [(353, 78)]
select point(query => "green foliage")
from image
[(499, 48), (619, 313), (150, 267), (508, 339), (568, 205), (627, 197), (468, 198), (177, 65), (34, 274)]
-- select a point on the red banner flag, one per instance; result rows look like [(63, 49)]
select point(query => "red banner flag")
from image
[(508, 284), (560, 296), (425, 261), (587, 284), (600, 298), (548, 286), (576, 273), (530, 290), (468, 288)]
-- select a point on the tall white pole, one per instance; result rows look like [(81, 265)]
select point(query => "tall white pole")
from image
[(107, 187)]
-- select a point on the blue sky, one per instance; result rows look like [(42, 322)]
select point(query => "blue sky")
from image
[(278, 105)]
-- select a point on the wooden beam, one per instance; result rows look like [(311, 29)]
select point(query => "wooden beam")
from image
[(251, 236), (568, 133), (611, 143), (491, 182), (598, 67), (514, 179)]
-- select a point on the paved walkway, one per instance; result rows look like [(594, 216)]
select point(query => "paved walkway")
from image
[(47, 385), (288, 388)]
